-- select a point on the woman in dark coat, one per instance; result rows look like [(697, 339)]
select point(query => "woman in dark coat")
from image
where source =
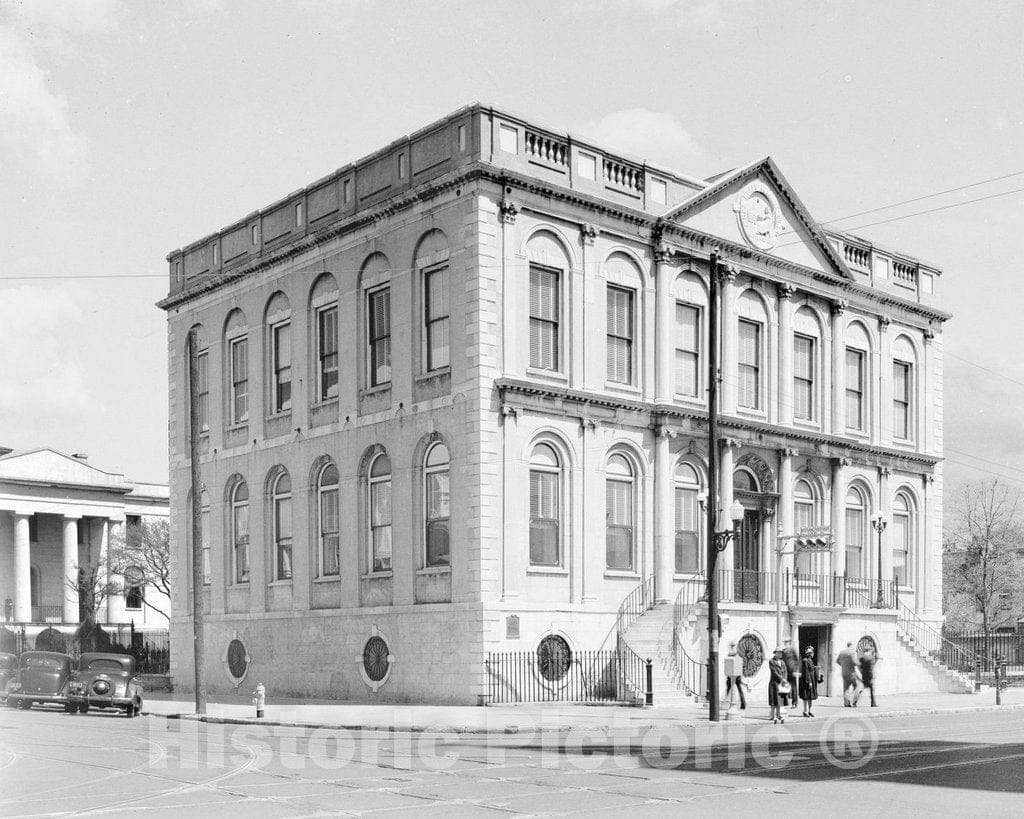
[(808, 680), (777, 702)]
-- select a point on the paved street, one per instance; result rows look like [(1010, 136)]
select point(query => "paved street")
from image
[(55, 764)]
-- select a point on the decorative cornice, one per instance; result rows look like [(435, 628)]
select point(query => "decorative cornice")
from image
[(786, 290), (839, 306), (588, 233), (788, 452), (883, 324), (661, 413)]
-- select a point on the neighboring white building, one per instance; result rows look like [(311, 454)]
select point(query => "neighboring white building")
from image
[(453, 401), (56, 511)]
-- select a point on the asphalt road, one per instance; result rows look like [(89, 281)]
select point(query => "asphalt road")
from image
[(107, 765)]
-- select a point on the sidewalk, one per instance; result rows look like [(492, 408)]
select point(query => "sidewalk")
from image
[(533, 717)]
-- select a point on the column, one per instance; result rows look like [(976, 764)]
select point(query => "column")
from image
[(722, 522), (882, 431), (103, 569), (839, 515), (785, 510), (664, 321), (581, 373), (785, 405), (838, 368), (116, 610), (728, 332), (885, 570), (70, 574), (664, 508), (22, 570)]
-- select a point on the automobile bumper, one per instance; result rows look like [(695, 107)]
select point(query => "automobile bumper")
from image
[(53, 699), (99, 702)]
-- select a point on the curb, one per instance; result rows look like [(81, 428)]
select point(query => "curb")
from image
[(513, 730)]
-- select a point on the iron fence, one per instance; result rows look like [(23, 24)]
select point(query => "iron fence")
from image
[(151, 649), (929, 640), (1006, 647), (580, 676), (796, 589)]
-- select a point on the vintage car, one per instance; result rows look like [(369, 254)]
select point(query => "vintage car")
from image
[(43, 677), (106, 681), (8, 669)]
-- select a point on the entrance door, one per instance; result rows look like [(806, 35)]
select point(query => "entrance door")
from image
[(748, 559), (820, 639)]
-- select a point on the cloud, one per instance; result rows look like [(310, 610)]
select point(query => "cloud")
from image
[(650, 135), (37, 134), (43, 379)]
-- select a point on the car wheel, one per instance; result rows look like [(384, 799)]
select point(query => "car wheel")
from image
[(129, 710), (83, 707), (26, 704), (138, 707), (71, 708)]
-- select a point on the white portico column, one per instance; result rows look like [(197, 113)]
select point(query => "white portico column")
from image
[(785, 511), (785, 354), (838, 367), (664, 530), (726, 560), (664, 320), (728, 332), (22, 570), (116, 612), (69, 576)]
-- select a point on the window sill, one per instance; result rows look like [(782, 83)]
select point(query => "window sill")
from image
[(622, 573), (687, 576), (548, 375), (375, 390), (327, 402), (244, 585), (434, 570), (241, 426), (277, 415), (623, 389), (803, 423), (557, 571), (750, 412), (377, 575), (679, 398), (279, 583), (331, 578), (858, 433), (431, 374)]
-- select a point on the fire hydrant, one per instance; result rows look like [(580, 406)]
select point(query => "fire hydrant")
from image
[(259, 699)]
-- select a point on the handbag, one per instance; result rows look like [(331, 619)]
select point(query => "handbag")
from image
[(784, 687)]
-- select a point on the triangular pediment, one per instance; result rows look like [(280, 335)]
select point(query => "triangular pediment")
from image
[(53, 467), (755, 207)]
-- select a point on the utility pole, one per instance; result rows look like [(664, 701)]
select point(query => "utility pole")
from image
[(712, 510), (198, 635)]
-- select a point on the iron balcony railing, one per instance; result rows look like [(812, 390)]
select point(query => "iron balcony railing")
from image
[(579, 676)]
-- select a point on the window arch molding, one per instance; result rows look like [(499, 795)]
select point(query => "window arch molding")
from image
[(753, 302), (624, 473), (374, 321), (436, 502), (237, 367), (904, 523), (754, 319), (325, 510), (324, 364), (375, 474), (549, 493), (237, 503), (858, 507), (547, 245), (689, 483), (808, 356), (622, 265)]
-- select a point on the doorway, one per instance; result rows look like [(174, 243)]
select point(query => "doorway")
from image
[(748, 559), (820, 639)]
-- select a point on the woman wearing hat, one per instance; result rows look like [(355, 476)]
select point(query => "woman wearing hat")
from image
[(808, 680), (779, 691)]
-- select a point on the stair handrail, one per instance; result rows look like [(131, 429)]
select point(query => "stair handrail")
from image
[(639, 600), (933, 642), (693, 672)]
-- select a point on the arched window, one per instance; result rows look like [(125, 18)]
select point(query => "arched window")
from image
[(380, 514), (282, 507), (240, 532), (806, 358), (858, 354), (902, 537), (437, 506), (327, 503), (134, 587), (804, 518), (856, 532), (545, 506), (237, 339), (620, 513), (324, 302), (687, 487)]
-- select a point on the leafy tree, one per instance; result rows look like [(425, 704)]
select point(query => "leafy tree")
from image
[(983, 558), (143, 556)]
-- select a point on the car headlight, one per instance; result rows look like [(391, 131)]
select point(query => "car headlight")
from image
[(101, 687)]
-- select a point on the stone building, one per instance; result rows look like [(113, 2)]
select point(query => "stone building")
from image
[(453, 401), (58, 512)]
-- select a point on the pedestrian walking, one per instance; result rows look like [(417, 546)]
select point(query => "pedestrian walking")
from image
[(779, 690), (792, 660), (847, 662), (809, 679), (735, 679), (867, 673)]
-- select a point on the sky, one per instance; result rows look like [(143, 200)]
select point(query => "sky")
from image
[(128, 129)]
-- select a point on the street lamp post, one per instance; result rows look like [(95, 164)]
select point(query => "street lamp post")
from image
[(718, 541), (878, 523)]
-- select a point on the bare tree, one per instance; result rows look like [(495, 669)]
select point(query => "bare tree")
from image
[(142, 556), (984, 558)]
